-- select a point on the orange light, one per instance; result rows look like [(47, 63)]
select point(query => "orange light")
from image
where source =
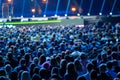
[(33, 10), (9, 1), (73, 9), (44, 1)]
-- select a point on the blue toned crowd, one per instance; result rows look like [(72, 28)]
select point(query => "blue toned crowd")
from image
[(40, 52)]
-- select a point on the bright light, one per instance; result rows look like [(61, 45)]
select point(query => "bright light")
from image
[(33, 16), (78, 14), (110, 13), (66, 15), (44, 15), (33, 10), (88, 14), (44, 1), (73, 9), (100, 13), (22, 16), (55, 15), (9, 1)]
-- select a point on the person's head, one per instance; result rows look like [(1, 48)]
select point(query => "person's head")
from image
[(81, 78), (83, 56), (70, 68), (42, 59), (93, 75), (22, 62), (32, 66), (46, 65), (53, 62), (2, 72), (36, 77), (3, 78), (36, 70), (8, 69), (55, 77), (25, 75), (90, 66), (102, 68), (55, 70), (35, 60), (9, 55), (63, 63), (78, 65), (27, 57), (118, 75), (19, 74), (43, 73), (14, 75), (109, 65)]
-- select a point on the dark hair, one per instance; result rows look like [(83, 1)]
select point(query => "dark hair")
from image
[(43, 73), (42, 59), (93, 75), (71, 68), (54, 71), (81, 78), (78, 65), (36, 77), (90, 66)]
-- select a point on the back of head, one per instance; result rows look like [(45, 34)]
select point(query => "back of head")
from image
[(55, 77), (42, 59), (78, 65), (36, 77), (63, 63), (2, 72), (43, 73), (93, 75), (109, 65), (83, 56), (25, 75), (70, 68), (102, 68), (54, 70), (118, 75), (90, 66), (81, 78)]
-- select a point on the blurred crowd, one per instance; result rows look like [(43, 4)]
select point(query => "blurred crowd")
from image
[(44, 52)]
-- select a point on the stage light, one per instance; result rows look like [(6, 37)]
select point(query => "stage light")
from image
[(44, 15), (110, 13), (100, 13), (44, 1), (66, 15), (22, 16), (88, 14), (55, 15), (78, 14), (9, 1), (33, 16), (73, 9), (33, 10)]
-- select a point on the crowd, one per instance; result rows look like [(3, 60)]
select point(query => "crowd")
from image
[(40, 52)]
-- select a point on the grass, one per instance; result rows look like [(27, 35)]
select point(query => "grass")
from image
[(32, 22)]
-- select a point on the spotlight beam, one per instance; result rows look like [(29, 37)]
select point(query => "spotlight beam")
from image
[(103, 4), (113, 5), (46, 6), (58, 3), (90, 6), (68, 6), (81, 2), (23, 7), (0, 2)]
